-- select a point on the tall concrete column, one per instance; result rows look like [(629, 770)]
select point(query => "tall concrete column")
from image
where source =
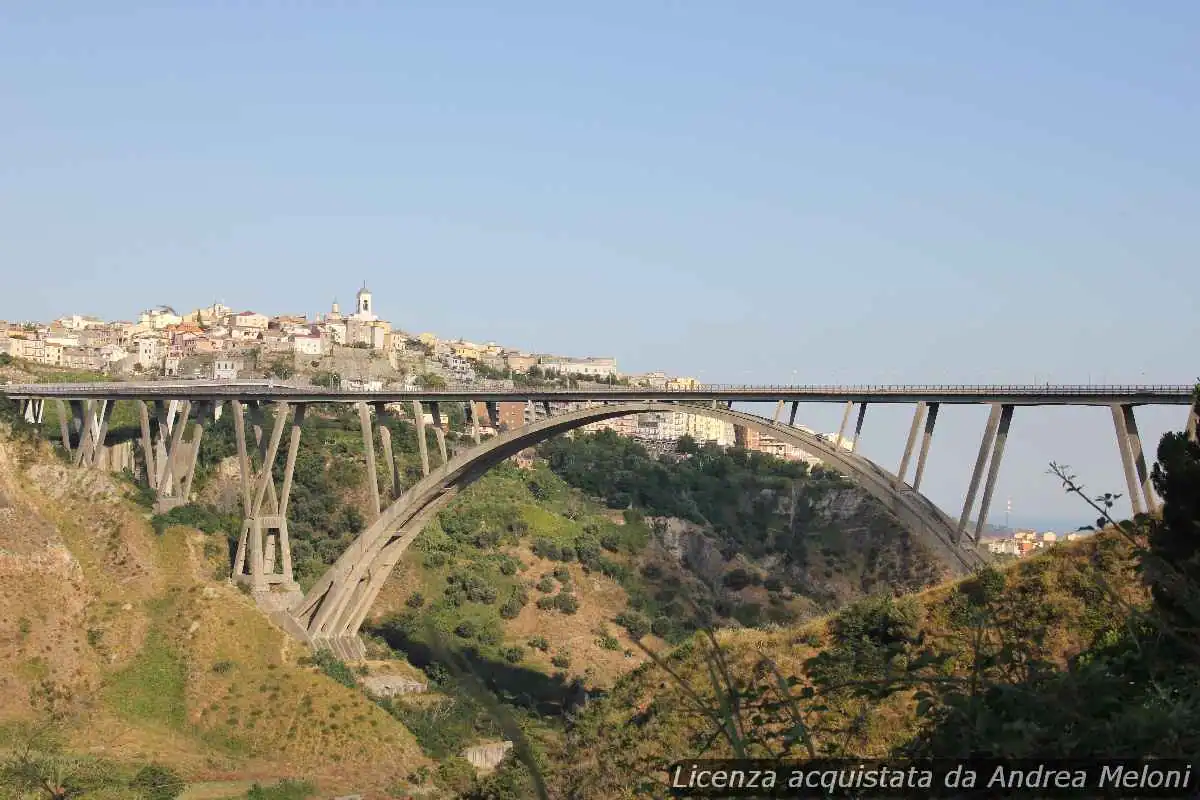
[(530, 412), (918, 415), (197, 437), (1006, 413), (86, 436), (989, 434), (474, 412), (1131, 482), (441, 441), (385, 441), (778, 411), (239, 431), (1192, 423), (422, 445), (845, 419), (364, 419), (927, 439), (1139, 458), (862, 414), (285, 543), (258, 573), (64, 425), (106, 409), (172, 477), (792, 418), (147, 444), (493, 411)]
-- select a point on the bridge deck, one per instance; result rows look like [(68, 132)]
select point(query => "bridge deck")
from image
[(1028, 395)]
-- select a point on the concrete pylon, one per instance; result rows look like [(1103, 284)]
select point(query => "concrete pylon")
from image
[(989, 435), (918, 415), (926, 440), (845, 419), (1139, 459), (422, 445), (364, 419), (862, 414), (264, 555), (1006, 413), (1126, 450)]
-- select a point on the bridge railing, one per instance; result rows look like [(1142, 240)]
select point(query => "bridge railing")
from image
[(713, 388)]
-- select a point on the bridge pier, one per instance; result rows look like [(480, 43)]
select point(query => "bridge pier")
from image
[(422, 445), (778, 411), (1191, 426), (264, 541), (989, 434), (389, 459), (927, 439), (1006, 413), (918, 415), (438, 433), (792, 417), (862, 414), (64, 425), (1133, 461), (33, 411), (364, 420), (473, 413), (845, 419)]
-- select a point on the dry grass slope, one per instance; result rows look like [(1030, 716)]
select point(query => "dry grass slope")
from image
[(170, 664)]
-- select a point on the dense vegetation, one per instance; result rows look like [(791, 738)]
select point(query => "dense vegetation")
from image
[(1089, 650)]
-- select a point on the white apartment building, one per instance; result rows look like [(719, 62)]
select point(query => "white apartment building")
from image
[(307, 345), (226, 369), (587, 367), (249, 320), (148, 350)]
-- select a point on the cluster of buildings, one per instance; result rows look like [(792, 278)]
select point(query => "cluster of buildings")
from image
[(662, 430), (359, 350), (1024, 542), (221, 343)]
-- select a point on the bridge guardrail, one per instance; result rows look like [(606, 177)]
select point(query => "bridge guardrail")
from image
[(876, 389)]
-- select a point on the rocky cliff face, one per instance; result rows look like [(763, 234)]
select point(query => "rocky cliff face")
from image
[(839, 545)]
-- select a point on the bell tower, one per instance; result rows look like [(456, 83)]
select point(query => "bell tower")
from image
[(365, 310)]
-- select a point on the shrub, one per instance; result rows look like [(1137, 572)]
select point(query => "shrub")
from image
[(610, 542), (415, 600), (335, 668), (546, 603), (465, 629), (637, 624), (562, 574), (608, 642), (546, 584), (566, 553), (156, 782), (539, 643), (513, 654), (561, 660), (545, 548), (508, 567), (566, 603), (511, 609)]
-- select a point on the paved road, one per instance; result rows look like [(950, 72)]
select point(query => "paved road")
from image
[(1180, 394)]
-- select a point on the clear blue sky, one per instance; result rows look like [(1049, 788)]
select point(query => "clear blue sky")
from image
[(825, 192)]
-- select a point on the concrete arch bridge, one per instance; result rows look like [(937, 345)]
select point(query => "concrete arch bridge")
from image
[(332, 611)]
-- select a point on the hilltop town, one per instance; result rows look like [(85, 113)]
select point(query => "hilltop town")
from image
[(353, 351)]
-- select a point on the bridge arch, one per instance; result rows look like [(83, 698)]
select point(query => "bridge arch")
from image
[(335, 607)]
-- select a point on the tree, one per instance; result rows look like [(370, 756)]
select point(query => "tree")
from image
[(36, 760), (431, 381)]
